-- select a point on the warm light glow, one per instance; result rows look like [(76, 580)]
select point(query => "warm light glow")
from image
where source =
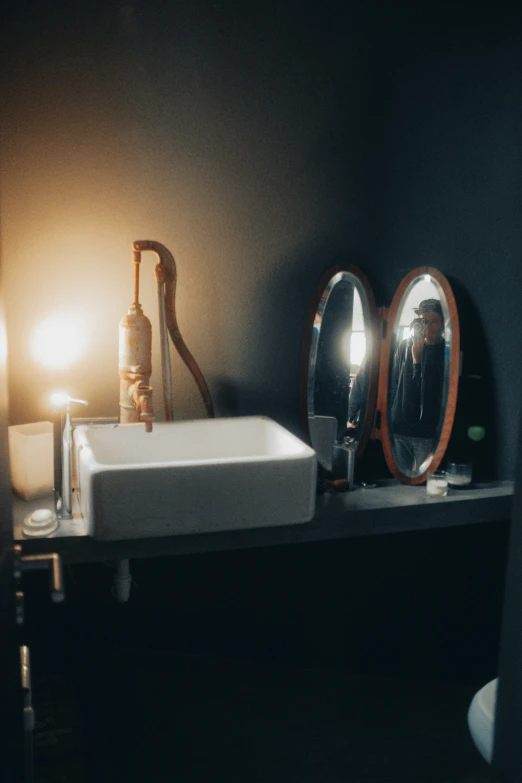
[(356, 348), (3, 346), (58, 342)]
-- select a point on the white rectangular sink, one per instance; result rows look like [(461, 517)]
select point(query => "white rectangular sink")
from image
[(192, 477)]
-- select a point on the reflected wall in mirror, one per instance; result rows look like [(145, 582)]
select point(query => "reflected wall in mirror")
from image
[(341, 361), (420, 368)]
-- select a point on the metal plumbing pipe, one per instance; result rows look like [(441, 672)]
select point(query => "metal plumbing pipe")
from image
[(122, 581), (166, 371)]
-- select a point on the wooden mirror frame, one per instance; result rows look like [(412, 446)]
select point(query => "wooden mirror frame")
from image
[(380, 332), (373, 334), (389, 317)]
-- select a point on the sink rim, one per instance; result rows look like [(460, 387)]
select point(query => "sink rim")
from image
[(303, 451)]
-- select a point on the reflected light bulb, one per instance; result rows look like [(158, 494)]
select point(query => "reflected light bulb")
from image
[(58, 342), (358, 347), (355, 348)]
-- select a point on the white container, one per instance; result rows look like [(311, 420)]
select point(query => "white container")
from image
[(31, 456)]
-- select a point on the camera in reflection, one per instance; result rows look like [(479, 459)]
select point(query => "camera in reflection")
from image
[(418, 327)]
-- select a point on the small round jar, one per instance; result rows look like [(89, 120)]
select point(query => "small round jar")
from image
[(40, 523)]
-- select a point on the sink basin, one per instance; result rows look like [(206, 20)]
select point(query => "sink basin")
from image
[(192, 477)]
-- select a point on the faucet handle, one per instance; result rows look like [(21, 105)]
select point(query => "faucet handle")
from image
[(142, 396), (81, 402), (61, 400)]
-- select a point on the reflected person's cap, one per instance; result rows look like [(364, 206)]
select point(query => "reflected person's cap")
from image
[(429, 306)]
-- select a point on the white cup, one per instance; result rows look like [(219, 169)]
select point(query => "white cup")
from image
[(437, 484), (31, 457)]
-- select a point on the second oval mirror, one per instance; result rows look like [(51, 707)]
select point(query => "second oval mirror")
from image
[(423, 366)]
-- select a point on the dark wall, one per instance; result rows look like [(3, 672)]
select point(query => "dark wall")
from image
[(448, 178), (234, 133), (261, 143)]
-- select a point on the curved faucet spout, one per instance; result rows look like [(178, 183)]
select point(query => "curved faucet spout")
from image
[(166, 277)]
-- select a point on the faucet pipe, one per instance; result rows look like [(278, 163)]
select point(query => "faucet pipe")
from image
[(63, 502), (67, 447), (166, 371), (166, 277), (137, 261)]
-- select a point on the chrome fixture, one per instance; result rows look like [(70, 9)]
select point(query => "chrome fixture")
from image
[(63, 457), (344, 458)]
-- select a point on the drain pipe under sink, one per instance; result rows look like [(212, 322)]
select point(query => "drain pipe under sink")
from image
[(122, 581)]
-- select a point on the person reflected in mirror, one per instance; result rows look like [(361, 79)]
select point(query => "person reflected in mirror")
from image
[(357, 400), (417, 387)]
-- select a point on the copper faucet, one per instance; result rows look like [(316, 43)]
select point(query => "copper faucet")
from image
[(141, 395), (135, 344), (135, 368)]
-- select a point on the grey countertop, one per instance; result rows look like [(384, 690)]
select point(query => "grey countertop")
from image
[(388, 508)]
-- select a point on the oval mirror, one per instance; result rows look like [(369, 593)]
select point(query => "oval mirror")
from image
[(341, 364), (422, 374)]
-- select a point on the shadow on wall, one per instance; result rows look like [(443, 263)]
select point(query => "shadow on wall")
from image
[(474, 435), (269, 381)]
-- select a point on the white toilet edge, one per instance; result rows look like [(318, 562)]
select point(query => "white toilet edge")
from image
[(481, 719)]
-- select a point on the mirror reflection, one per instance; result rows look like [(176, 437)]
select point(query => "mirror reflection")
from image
[(419, 375), (337, 377)]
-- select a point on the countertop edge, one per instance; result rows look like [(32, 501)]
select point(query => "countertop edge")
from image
[(333, 521)]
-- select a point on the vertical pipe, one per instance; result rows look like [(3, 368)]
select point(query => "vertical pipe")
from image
[(351, 465), (137, 262), (122, 581), (58, 425), (67, 468), (166, 371)]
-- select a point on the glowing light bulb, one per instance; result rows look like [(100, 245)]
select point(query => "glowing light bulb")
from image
[(59, 399), (58, 342)]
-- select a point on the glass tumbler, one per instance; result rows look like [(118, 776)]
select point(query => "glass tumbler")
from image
[(437, 483), (458, 474)]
